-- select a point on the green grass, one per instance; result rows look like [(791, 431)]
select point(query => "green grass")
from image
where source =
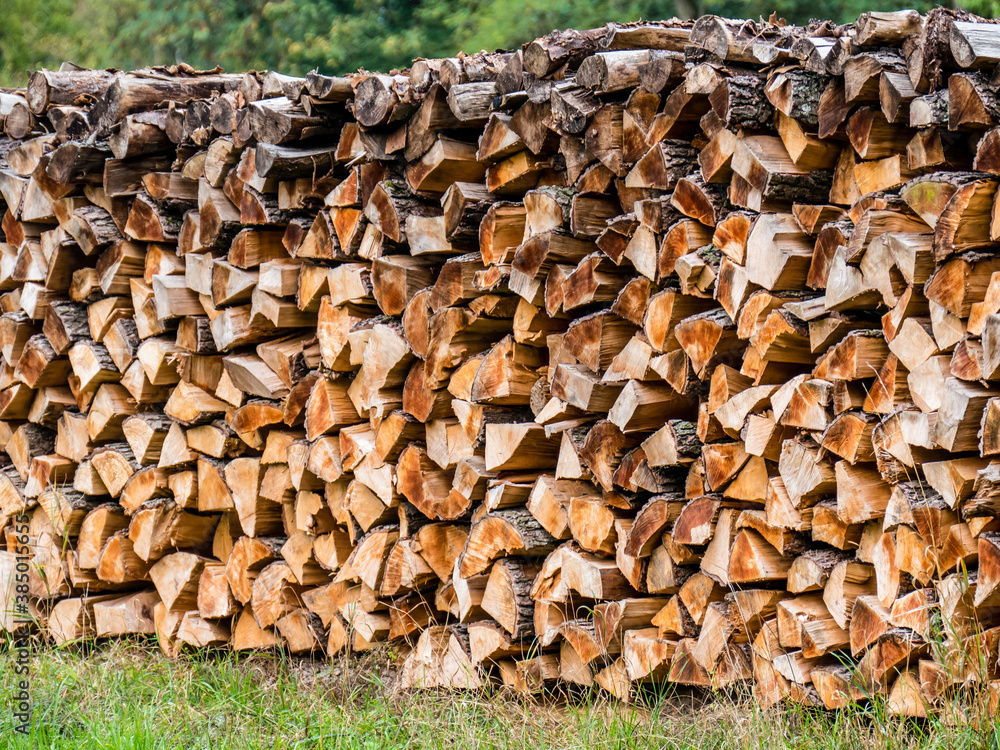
[(125, 695)]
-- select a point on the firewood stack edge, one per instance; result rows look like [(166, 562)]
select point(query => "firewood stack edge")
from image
[(659, 352)]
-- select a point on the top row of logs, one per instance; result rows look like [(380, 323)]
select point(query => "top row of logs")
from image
[(912, 54)]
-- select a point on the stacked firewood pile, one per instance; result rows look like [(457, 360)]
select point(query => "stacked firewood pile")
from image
[(656, 352)]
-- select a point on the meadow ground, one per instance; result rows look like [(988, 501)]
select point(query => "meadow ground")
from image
[(127, 695)]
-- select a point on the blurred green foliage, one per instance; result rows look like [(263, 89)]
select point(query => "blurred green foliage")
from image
[(337, 36)]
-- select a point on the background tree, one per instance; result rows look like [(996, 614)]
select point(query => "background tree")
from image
[(337, 36)]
